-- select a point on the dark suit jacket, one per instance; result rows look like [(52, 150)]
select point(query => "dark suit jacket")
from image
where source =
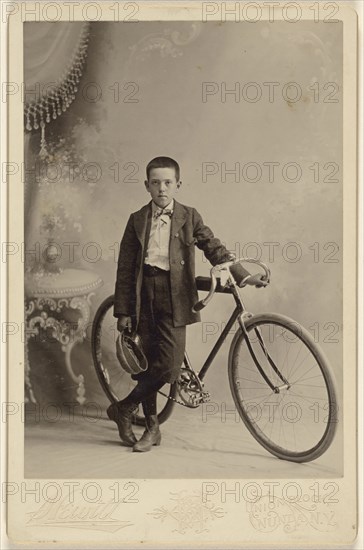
[(187, 230)]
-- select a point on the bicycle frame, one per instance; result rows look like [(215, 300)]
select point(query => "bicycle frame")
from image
[(238, 311), (238, 314)]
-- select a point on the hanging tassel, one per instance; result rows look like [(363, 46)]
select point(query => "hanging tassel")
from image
[(38, 114), (43, 153)]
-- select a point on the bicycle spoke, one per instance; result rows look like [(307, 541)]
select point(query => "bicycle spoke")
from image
[(309, 370), (308, 355), (294, 362), (311, 385), (249, 380), (286, 356)]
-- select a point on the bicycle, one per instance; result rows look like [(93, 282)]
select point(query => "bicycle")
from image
[(279, 393)]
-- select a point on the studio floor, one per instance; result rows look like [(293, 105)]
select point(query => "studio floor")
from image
[(192, 447)]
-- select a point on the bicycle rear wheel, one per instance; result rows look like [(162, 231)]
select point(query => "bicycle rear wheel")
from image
[(299, 421), (115, 382)]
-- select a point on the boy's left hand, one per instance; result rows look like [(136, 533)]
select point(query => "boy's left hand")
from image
[(257, 280)]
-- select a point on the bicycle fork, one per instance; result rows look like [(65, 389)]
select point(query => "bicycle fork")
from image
[(246, 315)]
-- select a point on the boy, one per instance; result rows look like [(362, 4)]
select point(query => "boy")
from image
[(155, 291)]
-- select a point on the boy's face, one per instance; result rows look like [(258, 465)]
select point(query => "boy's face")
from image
[(162, 185)]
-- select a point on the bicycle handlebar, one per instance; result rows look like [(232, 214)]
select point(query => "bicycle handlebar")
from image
[(226, 267)]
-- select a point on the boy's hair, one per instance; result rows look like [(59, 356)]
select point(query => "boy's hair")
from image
[(163, 162)]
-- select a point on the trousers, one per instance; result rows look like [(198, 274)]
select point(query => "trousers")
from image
[(163, 344)]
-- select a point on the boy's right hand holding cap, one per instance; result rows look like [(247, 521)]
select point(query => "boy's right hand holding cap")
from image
[(124, 322)]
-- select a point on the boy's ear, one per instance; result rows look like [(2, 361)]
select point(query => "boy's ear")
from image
[(146, 183), (179, 184)]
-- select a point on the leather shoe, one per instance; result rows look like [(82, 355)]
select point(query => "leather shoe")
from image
[(121, 413), (151, 436)]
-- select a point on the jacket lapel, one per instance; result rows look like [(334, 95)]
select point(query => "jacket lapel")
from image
[(141, 219), (178, 218)]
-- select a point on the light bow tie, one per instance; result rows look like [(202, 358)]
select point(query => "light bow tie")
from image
[(159, 213)]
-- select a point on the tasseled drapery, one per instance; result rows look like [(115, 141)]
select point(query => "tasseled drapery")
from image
[(57, 53)]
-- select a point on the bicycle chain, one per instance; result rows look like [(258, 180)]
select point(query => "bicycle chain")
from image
[(206, 396), (173, 399)]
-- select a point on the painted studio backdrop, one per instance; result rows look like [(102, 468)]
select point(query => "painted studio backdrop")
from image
[(246, 110)]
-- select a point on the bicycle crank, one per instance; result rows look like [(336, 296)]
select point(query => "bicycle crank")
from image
[(190, 390)]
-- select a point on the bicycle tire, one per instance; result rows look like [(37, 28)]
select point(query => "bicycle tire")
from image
[(257, 383), (111, 392)]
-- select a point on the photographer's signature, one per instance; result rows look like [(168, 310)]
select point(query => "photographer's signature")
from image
[(63, 513)]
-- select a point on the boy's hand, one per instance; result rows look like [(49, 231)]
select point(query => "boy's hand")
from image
[(257, 280), (124, 322)]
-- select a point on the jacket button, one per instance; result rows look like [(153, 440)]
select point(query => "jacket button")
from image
[(177, 235), (182, 262)]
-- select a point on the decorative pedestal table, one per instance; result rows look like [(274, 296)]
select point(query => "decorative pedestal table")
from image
[(59, 304)]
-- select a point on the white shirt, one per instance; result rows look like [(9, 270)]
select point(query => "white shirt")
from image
[(159, 237)]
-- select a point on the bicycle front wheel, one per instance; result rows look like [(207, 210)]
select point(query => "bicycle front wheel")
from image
[(115, 382), (283, 388)]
